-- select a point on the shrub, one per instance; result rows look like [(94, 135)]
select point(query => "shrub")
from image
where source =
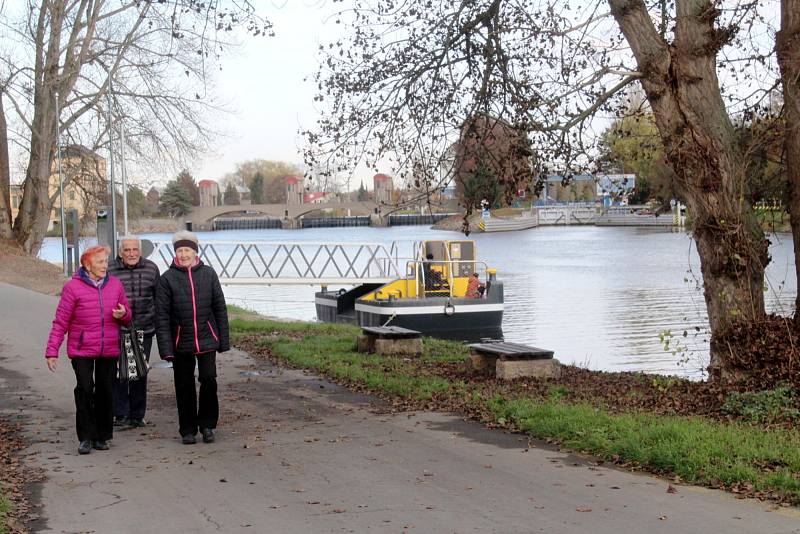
[(763, 406)]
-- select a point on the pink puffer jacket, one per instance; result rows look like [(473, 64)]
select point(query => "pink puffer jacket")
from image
[(84, 312)]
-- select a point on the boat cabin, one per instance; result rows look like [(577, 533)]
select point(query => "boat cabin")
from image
[(440, 269)]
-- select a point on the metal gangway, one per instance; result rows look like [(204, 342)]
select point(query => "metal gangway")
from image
[(283, 263)]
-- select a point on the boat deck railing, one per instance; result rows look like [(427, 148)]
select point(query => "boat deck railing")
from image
[(416, 269)]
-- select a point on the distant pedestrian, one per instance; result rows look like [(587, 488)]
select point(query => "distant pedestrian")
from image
[(93, 305), (139, 276), (192, 326)]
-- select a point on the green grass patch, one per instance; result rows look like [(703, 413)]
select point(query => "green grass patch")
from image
[(698, 449), (239, 325), (557, 393), (5, 507), (330, 349), (440, 350)]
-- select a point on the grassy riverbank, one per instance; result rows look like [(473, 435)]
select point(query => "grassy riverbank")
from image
[(682, 430), (773, 220)]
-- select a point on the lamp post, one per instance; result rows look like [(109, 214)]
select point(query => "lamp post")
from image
[(124, 170), (111, 177), (61, 187)]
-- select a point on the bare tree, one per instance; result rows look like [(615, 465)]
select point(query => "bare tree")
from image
[(409, 76), (69, 54)]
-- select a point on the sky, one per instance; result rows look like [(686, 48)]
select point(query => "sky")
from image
[(262, 83)]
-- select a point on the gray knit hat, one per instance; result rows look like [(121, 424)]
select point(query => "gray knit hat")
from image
[(185, 238)]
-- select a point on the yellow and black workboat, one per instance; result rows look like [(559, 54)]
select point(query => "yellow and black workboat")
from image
[(446, 293)]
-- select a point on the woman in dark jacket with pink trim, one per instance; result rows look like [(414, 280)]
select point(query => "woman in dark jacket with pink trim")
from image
[(93, 305), (191, 327)]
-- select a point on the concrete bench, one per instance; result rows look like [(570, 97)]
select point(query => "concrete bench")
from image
[(513, 360), (390, 340)]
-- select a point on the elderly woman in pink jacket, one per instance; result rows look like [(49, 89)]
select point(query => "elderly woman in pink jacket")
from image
[(93, 305)]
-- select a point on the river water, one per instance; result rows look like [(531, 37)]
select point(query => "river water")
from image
[(606, 298)]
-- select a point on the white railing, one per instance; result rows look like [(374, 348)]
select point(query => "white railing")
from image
[(566, 215), (268, 263)]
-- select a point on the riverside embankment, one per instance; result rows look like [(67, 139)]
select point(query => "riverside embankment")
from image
[(602, 298)]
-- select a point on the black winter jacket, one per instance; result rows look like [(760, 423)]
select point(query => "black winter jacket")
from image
[(191, 315), (140, 283)]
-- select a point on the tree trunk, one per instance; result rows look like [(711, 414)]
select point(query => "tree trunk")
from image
[(5, 177), (33, 218), (682, 87), (787, 45)]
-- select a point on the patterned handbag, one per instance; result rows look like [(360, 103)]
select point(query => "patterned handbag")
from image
[(132, 363)]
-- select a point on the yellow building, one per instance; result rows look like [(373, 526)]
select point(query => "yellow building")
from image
[(382, 188), (16, 200), (85, 185)]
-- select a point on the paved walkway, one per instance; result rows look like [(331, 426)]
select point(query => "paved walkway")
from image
[(297, 454)]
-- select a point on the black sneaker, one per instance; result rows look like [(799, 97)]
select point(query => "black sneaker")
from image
[(136, 423), (121, 421), (100, 445), (188, 439), (85, 447), (208, 435)]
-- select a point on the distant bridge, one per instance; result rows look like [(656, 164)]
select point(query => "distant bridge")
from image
[(201, 218)]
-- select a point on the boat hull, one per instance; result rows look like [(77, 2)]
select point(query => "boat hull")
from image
[(442, 317)]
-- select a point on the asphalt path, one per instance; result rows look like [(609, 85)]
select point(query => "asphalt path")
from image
[(298, 454)]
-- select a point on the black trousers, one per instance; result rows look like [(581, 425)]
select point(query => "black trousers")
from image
[(192, 414), (130, 396), (94, 414)]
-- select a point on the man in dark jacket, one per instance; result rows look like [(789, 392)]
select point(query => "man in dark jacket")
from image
[(139, 276), (192, 326)]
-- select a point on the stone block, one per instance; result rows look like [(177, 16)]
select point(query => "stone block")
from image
[(411, 346), (482, 363), (365, 343), (510, 369)]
